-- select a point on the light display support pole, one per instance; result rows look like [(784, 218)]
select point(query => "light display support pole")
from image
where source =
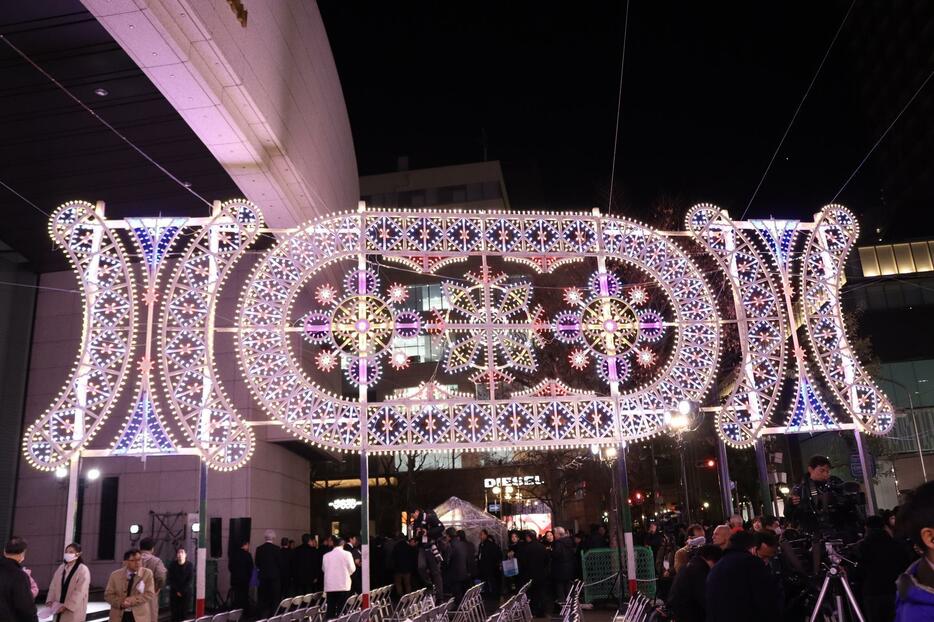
[(71, 505), (202, 553), (626, 518), (765, 491), (867, 478), (723, 466), (623, 484), (364, 471)]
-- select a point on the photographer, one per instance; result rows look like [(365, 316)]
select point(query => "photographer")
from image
[(821, 506), (427, 530)]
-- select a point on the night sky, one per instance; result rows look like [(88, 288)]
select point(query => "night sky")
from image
[(708, 91)]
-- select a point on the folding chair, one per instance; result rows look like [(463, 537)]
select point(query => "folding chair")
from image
[(219, 617), (235, 615), (284, 605)]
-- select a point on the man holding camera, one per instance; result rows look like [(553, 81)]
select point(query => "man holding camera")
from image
[(821, 506), (427, 529)]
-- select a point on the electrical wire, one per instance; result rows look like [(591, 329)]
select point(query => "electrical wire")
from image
[(619, 105), (882, 137), (33, 205), (110, 127), (797, 110)]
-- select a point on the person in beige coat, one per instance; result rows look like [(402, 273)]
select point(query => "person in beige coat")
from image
[(68, 591), (159, 573), (129, 601)]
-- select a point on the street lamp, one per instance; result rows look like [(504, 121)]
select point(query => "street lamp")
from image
[(685, 418), (61, 472), (93, 474)]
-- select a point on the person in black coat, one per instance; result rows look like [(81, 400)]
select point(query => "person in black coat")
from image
[(563, 553), (489, 564), (881, 561), (269, 565), (179, 579), (240, 566), (533, 566), (306, 566), (16, 601), (740, 587), (285, 571), (456, 571), (686, 599)]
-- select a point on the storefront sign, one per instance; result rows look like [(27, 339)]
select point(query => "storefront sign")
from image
[(520, 480), (344, 504)]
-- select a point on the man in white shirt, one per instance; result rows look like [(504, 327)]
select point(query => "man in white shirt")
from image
[(338, 566)]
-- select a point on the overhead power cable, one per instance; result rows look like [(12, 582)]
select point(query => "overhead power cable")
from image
[(882, 137), (797, 110), (619, 105), (103, 122)]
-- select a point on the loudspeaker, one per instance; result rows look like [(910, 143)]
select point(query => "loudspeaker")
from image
[(107, 522), (217, 550), (238, 533)]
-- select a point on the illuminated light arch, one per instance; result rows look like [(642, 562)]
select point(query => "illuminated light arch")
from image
[(107, 337), (314, 414), (760, 322), (683, 329), (144, 431), (186, 332), (826, 248)]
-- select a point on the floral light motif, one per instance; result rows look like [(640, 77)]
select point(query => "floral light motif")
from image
[(361, 327), (490, 327), (609, 328)]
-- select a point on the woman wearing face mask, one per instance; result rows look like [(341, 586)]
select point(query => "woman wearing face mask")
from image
[(68, 592), (179, 582)]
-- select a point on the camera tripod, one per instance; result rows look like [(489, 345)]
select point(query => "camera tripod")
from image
[(836, 583)]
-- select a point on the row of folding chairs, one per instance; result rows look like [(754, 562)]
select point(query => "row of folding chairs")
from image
[(226, 616), (571, 608), (381, 604), (471, 607), (303, 601), (360, 615), (638, 609), (318, 613), (515, 609), (437, 613), (414, 604)]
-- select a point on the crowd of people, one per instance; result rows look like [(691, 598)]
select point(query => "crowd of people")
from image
[(771, 569), (766, 570)]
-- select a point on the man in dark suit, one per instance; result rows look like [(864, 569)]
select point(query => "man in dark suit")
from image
[(306, 566), (16, 601), (240, 565), (739, 587), (533, 565), (686, 599), (269, 565)]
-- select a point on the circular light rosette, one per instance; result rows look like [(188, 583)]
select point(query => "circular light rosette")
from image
[(613, 369), (408, 324), (604, 284), (567, 327), (316, 327), (361, 282), (364, 371), (651, 325), (610, 327), (362, 325)]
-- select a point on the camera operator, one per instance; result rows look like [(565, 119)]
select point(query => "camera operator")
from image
[(427, 530), (821, 506)]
